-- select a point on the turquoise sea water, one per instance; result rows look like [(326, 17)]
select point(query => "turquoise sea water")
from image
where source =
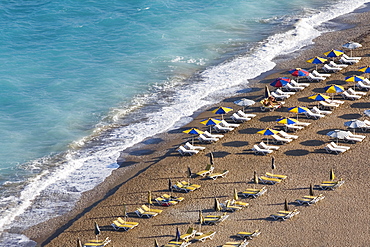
[(83, 80)]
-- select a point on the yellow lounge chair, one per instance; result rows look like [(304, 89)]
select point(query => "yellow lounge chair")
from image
[(186, 183), (177, 244), (267, 180), (272, 175), (309, 200), (205, 236), (122, 221), (214, 219), (118, 226), (165, 202), (236, 244), (231, 208), (208, 170), (284, 215), (239, 203), (190, 233), (146, 208), (254, 192), (95, 242), (249, 235), (173, 198), (216, 175), (330, 185), (140, 212)]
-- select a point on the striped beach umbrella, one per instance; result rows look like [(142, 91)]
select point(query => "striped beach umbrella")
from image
[(210, 122), (299, 72), (222, 110), (317, 60), (193, 131), (280, 82), (354, 78), (286, 120), (365, 69), (334, 53), (268, 132), (334, 89), (319, 97), (298, 110)]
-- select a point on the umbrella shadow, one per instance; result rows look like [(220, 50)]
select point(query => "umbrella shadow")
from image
[(322, 151), (220, 154), (350, 116), (305, 100), (249, 131), (270, 118), (324, 132), (360, 105), (297, 152), (236, 144), (312, 143)]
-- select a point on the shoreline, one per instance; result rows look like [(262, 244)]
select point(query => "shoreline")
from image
[(168, 141)]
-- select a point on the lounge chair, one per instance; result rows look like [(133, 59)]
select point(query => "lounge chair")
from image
[(352, 139), (310, 114), (247, 115), (327, 68), (173, 198), (282, 133), (292, 127), (279, 139), (356, 136), (335, 101), (183, 151), (236, 243), (334, 65), (229, 125), (346, 95), (205, 236), (330, 149), (310, 200), (305, 124), (284, 215), (326, 105), (315, 73), (125, 226), (248, 235), (97, 243), (330, 185), (208, 170), (238, 119), (265, 146), (258, 150), (353, 92), (147, 209), (250, 192), (273, 175), (186, 183), (184, 188), (311, 77), (299, 84), (267, 180), (209, 135), (362, 85), (204, 139), (337, 146), (214, 219), (351, 58), (230, 208), (348, 61), (239, 203), (190, 233), (192, 147), (220, 128), (280, 96), (281, 92), (216, 175), (290, 87), (140, 212), (177, 244), (318, 111), (165, 202)]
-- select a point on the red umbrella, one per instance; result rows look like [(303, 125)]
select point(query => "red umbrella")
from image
[(280, 82)]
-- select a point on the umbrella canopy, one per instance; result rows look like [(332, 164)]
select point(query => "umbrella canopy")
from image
[(338, 134), (156, 243), (79, 244), (286, 207), (210, 121), (352, 45), (318, 97), (170, 185), (217, 206), (298, 109), (354, 78), (286, 120), (193, 131), (267, 92), (355, 123), (334, 53), (235, 195), (222, 110), (150, 198), (280, 82), (332, 175), (367, 113), (244, 102), (365, 69), (96, 229), (334, 89), (298, 72), (317, 60), (268, 132)]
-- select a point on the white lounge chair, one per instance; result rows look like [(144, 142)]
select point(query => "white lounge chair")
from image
[(286, 135), (215, 175), (280, 96), (293, 127), (209, 135), (330, 185), (238, 119), (353, 92), (346, 95), (335, 101), (220, 128), (299, 84), (311, 77), (279, 139), (318, 111), (348, 61), (352, 139), (326, 105), (315, 73), (190, 233), (192, 147), (334, 65), (361, 85), (337, 146), (356, 136), (310, 200), (247, 115), (265, 146), (330, 149), (205, 236), (284, 215), (258, 150), (305, 124), (229, 125), (290, 87), (202, 138), (351, 58), (183, 151), (327, 68), (310, 114), (251, 192), (279, 91)]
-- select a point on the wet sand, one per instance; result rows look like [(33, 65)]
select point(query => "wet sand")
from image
[(339, 220)]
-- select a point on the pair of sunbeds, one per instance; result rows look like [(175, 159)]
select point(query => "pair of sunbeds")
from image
[(310, 200), (284, 215), (97, 243), (242, 243), (168, 200), (252, 192), (214, 219), (122, 224), (208, 172), (145, 211), (185, 186), (330, 185), (240, 116), (191, 233), (332, 147), (233, 205), (189, 149), (271, 178)]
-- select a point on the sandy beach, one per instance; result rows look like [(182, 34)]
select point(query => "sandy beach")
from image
[(339, 220)]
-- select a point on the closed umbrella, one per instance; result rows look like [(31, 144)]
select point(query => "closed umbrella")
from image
[(96, 230), (124, 210), (216, 206), (267, 92), (178, 234), (317, 60), (189, 172), (212, 158), (311, 190), (244, 102), (255, 177), (201, 220), (332, 175), (273, 167), (150, 198), (79, 244), (351, 46), (170, 185), (286, 207), (235, 195), (156, 243)]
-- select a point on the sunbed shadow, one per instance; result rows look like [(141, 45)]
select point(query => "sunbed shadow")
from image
[(337, 82), (270, 118), (158, 236), (236, 144), (361, 105), (318, 90), (323, 151), (173, 224), (249, 131), (350, 116), (312, 143), (297, 152), (351, 73)]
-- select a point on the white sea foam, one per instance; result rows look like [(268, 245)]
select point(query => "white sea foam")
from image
[(52, 193)]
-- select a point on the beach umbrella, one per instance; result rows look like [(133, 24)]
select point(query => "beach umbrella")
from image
[(124, 210), (280, 82), (367, 113), (286, 207), (338, 134), (217, 206), (170, 185), (189, 172), (298, 110), (201, 218), (96, 230), (311, 190), (178, 234), (317, 60), (193, 131), (354, 124), (286, 120), (255, 177), (354, 78), (267, 92), (273, 167), (150, 198), (333, 89), (222, 110), (211, 158), (318, 97), (298, 72), (365, 69), (244, 102), (268, 132), (332, 175), (334, 53), (210, 121), (351, 45), (156, 243), (79, 244), (235, 195)]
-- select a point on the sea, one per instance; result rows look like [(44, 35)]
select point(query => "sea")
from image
[(81, 81)]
